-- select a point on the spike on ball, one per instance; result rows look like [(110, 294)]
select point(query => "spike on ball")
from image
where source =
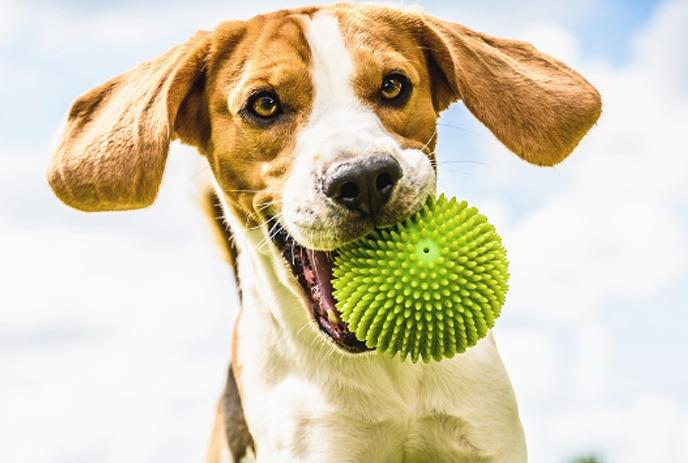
[(429, 287)]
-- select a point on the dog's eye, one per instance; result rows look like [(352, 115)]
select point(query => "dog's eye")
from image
[(394, 88), (264, 105)]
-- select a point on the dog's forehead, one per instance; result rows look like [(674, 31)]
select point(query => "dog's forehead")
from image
[(283, 41)]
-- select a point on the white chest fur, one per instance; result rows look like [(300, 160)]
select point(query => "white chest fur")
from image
[(306, 401)]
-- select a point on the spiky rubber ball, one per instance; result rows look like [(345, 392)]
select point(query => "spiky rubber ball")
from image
[(428, 287)]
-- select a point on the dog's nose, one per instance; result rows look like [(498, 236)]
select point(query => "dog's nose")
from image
[(365, 184)]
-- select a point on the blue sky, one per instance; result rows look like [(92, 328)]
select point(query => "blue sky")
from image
[(607, 30), (116, 310)]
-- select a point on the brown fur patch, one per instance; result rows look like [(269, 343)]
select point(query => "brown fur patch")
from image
[(236, 364), (223, 234), (236, 430), (249, 160), (218, 449)]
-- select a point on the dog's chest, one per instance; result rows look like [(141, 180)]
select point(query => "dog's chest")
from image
[(373, 421), (345, 437), (304, 403)]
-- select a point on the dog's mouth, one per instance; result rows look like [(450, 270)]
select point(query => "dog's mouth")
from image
[(313, 270)]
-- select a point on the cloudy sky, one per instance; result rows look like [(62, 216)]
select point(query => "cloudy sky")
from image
[(114, 328)]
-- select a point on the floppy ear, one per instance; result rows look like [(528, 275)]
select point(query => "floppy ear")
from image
[(537, 106), (112, 151)]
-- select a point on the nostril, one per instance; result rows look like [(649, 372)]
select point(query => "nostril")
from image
[(363, 185), (349, 191), (384, 183)]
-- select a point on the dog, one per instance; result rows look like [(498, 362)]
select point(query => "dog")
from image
[(319, 124)]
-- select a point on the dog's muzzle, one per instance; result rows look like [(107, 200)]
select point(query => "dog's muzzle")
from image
[(313, 270)]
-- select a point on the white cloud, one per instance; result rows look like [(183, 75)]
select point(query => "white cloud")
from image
[(7, 18), (56, 27), (554, 40), (661, 50), (113, 344), (653, 428), (592, 367), (532, 359), (512, 16)]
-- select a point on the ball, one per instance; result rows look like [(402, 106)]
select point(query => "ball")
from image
[(428, 287)]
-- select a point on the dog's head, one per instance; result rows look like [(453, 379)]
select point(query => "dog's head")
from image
[(321, 120)]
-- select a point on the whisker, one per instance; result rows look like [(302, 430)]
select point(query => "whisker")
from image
[(268, 204), (315, 266), (462, 172), (261, 224), (249, 215), (273, 230), (267, 56), (304, 326), (443, 124), (427, 143), (251, 191), (194, 175), (463, 162)]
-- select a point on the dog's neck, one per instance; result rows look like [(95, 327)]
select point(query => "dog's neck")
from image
[(273, 299), (268, 289)]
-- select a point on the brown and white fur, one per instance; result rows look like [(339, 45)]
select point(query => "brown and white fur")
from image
[(293, 393)]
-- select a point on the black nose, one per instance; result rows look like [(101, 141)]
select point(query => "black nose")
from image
[(365, 184)]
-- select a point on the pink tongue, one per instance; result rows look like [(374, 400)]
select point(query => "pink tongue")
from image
[(322, 266)]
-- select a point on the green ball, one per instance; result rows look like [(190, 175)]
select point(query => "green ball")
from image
[(429, 287)]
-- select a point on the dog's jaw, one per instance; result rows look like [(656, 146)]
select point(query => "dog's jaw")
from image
[(313, 270), (266, 276)]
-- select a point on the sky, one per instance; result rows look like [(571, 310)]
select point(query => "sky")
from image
[(115, 328)]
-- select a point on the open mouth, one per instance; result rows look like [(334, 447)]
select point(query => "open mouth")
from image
[(313, 269)]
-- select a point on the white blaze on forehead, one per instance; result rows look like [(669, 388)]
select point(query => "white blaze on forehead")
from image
[(339, 120), (331, 64)]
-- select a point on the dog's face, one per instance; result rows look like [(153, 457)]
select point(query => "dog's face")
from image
[(333, 138), (320, 121)]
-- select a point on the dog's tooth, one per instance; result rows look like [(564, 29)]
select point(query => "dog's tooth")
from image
[(332, 316)]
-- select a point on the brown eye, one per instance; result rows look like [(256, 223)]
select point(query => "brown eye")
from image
[(394, 87), (264, 105)]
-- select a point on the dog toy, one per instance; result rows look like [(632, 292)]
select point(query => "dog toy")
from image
[(429, 287)]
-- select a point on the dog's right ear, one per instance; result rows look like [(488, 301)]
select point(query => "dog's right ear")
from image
[(112, 151)]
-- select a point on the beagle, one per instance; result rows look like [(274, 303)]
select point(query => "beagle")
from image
[(319, 124)]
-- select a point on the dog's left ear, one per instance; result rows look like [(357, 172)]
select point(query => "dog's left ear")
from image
[(537, 106)]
